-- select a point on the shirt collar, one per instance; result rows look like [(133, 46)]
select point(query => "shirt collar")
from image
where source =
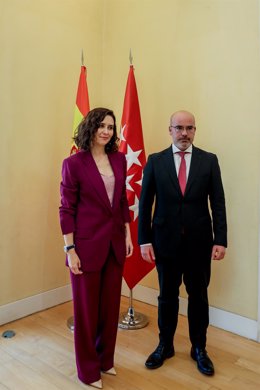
[(176, 150)]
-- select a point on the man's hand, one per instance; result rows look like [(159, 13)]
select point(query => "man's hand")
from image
[(218, 252), (147, 253)]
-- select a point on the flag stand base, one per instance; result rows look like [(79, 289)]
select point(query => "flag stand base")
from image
[(132, 319), (70, 323)]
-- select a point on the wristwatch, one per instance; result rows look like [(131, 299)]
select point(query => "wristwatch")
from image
[(68, 247)]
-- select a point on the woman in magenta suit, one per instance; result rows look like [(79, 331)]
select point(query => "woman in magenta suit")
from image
[(94, 219)]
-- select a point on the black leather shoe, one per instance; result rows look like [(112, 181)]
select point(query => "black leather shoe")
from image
[(158, 356), (205, 365)]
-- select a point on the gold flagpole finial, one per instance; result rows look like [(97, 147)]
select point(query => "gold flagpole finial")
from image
[(82, 58), (131, 57)]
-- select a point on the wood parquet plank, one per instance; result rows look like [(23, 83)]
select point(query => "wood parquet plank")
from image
[(41, 357)]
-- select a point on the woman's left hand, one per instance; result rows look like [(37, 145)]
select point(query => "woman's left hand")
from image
[(129, 247), (128, 241)]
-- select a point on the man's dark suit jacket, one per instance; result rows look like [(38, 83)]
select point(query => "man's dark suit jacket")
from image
[(175, 214), (87, 213)]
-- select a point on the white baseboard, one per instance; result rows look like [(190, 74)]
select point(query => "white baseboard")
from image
[(24, 307), (222, 319)]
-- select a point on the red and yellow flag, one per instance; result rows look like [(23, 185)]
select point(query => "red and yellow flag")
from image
[(132, 144), (82, 104)]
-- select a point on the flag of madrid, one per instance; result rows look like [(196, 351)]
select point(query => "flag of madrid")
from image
[(132, 145)]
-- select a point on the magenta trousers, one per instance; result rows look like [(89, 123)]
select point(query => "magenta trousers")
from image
[(96, 301)]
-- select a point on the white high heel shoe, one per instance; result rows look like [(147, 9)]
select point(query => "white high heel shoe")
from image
[(111, 371), (97, 384)]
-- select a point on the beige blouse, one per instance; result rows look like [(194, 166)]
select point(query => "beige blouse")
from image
[(109, 182)]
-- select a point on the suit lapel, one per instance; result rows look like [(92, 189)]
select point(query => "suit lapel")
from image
[(194, 168), (170, 166), (94, 178)]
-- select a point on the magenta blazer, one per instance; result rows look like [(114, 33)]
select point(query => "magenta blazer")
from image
[(86, 211)]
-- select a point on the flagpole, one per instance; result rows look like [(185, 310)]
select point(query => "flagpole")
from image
[(132, 319), (130, 57), (82, 103), (82, 58)]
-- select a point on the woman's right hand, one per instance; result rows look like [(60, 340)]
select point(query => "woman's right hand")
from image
[(74, 262)]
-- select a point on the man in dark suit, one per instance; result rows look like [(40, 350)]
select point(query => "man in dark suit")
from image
[(181, 235)]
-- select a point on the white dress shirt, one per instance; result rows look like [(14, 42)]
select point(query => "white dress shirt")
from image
[(177, 159)]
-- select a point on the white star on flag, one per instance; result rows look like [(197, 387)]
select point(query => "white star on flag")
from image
[(141, 180), (122, 138), (127, 183), (134, 207), (131, 157)]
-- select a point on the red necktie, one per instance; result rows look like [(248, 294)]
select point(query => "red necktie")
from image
[(182, 172)]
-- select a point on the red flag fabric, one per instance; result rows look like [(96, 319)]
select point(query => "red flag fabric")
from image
[(132, 144), (82, 104)]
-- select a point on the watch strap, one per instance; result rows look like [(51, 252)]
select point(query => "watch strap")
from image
[(68, 247)]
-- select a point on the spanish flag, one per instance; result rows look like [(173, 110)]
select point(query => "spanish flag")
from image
[(82, 104)]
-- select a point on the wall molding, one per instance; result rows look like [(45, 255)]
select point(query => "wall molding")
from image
[(222, 319), (24, 307)]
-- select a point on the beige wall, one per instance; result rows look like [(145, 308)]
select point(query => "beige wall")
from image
[(201, 55), (40, 58)]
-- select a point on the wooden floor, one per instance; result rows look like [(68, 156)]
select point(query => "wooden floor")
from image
[(41, 357)]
